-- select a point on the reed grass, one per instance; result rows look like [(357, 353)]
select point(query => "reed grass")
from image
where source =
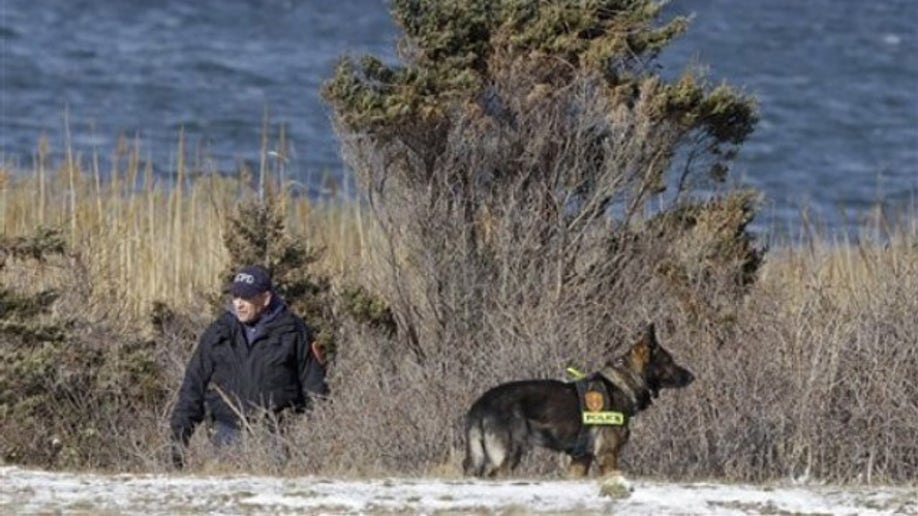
[(825, 343), (150, 238)]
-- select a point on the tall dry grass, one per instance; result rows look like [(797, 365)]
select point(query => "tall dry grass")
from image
[(150, 237), (816, 379)]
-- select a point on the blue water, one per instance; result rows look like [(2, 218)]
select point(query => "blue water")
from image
[(837, 82)]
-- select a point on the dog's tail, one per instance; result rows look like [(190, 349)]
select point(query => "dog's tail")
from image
[(475, 456)]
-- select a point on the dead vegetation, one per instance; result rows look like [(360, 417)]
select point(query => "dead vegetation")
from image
[(521, 213)]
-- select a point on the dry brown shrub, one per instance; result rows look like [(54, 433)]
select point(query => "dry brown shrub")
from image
[(519, 226), (817, 382), (75, 390)]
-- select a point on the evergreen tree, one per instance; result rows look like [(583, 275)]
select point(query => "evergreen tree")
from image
[(256, 234), (526, 157)]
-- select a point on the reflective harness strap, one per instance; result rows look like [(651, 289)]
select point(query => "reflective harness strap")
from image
[(591, 383)]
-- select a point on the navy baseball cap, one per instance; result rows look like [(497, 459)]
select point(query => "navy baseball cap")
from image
[(250, 281)]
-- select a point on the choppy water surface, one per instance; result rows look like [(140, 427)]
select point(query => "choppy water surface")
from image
[(836, 80)]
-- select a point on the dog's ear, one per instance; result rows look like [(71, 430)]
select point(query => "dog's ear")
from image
[(639, 354)]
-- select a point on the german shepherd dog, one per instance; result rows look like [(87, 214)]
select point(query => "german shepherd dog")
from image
[(511, 418)]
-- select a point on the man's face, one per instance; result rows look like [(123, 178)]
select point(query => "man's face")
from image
[(249, 309)]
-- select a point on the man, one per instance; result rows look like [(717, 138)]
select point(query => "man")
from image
[(256, 359)]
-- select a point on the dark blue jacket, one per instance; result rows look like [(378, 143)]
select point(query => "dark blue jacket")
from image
[(268, 366)]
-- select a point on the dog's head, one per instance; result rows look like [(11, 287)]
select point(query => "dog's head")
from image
[(655, 365)]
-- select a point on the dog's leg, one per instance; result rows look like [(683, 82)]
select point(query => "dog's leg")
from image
[(502, 471), (608, 461), (607, 446), (613, 482), (505, 445), (497, 451), (505, 456), (516, 455), (580, 466), (474, 461)]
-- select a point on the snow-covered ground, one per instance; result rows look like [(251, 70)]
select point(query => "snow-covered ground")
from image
[(25, 491)]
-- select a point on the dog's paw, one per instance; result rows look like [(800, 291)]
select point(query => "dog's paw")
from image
[(615, 486)]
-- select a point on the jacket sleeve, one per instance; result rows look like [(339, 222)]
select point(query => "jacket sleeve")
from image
[(189, 409), (311, 370)]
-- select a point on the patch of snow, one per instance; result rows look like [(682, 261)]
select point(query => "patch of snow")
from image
[(24, 491)]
